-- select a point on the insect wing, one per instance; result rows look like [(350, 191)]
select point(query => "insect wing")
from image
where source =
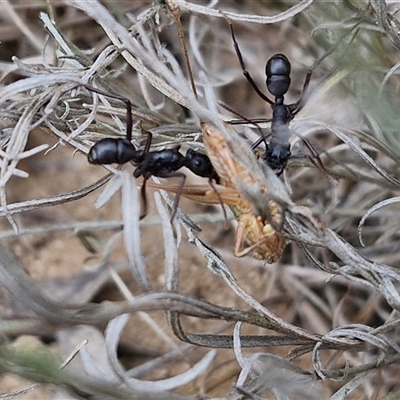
[(219, 154), (203, 193)]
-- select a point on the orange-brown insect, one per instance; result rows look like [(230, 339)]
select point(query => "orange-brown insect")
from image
[(262, 239), (259, 234)]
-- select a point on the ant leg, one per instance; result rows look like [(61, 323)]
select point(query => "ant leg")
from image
[(296, 107), (262, 138), (299, 103), (144, 199), (175, 13), (318, 163), (243, 65), (136, 174), (248, 121), (179, 190), (315, 159), (127, 102), (219, 198), (243, 119), (311, 148), (148, 141)]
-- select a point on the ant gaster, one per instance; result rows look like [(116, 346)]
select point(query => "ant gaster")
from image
[(278, 81), (162, 163), (110, 151)]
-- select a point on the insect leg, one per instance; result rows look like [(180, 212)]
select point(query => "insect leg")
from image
[(219, 198), (178, 191), (315, 159), (296, 107), (239, 250), (243, 120), (148, 141), (144, 199)]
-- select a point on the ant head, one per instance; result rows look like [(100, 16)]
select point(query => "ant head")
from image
[(110, 151), (277, 157), (278, 71), (200, 164)]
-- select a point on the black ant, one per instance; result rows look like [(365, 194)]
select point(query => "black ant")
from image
[(162, 163), (278, 81)]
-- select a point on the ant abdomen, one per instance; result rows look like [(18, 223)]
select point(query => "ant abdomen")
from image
[(111, 151), (278, 74)]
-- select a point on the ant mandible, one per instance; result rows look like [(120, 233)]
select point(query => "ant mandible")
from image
[(162, 163), (278, 81)]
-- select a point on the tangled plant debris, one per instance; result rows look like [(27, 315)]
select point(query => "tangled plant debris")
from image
[(319, 323)]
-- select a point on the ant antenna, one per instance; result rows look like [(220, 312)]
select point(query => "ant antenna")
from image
[(175, 13), (127, 102)]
